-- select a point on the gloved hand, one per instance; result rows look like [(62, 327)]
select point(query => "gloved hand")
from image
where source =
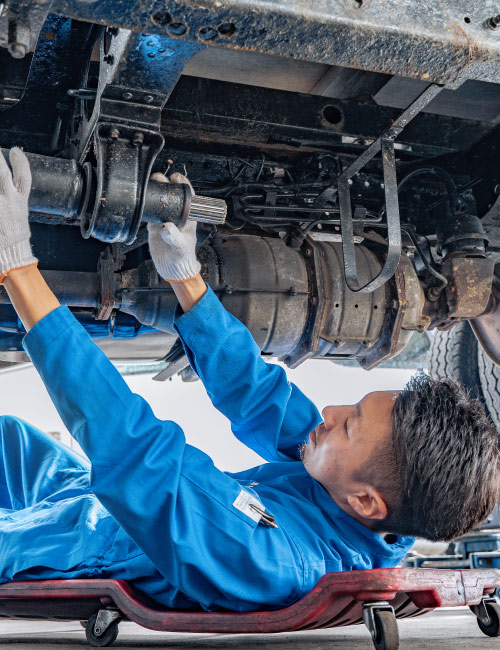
[(173, 249), (15, 248)]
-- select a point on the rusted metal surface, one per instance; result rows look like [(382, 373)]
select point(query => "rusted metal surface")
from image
[(106, 268), (469, 285), (444, 42), (487, 326), (264, 118)]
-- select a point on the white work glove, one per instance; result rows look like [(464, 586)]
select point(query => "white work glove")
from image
[(173, 249), (15, 248)]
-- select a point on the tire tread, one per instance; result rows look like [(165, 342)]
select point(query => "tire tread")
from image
[(489, 374), (454, 355)]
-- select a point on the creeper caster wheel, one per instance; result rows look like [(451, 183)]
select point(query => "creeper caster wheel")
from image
[(381, 621), (101, 629), (488, 616)]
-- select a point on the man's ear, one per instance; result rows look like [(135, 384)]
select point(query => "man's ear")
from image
[(368, 503)]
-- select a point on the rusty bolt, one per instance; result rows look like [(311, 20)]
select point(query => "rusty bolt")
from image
[(127, 95), (114, 133), (493, 22), (433, 293), (138, 138), (148, 99)]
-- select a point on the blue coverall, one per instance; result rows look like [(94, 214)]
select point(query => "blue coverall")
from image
[(154, 510)]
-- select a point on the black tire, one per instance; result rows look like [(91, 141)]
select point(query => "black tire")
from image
[(489, 375), (387, 633), (102, 640), (454, 355), (493, 627)]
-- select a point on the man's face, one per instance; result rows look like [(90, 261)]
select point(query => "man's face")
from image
[(346, 439)]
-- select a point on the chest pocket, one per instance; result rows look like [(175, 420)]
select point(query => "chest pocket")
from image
[(250, 505)]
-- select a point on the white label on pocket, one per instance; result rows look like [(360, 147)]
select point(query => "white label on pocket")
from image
[(243, 502)]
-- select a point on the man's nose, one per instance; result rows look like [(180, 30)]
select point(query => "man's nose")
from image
[(332, 414)]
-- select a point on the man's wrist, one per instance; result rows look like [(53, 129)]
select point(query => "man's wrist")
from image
[(190, 291), (30, 295), (20, 274)]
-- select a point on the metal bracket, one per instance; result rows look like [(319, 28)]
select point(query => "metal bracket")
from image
[(105, 617), (369, 610), (481, 611), (106, 267), (385, 145), (176, 360), (318, 304), (125, 156), (387, 345), (136, 76)]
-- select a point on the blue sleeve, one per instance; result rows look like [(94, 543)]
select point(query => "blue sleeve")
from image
[(167, 495), (267, 413)]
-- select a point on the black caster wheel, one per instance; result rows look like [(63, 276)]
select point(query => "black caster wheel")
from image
[(386, 635), (492, 628), (100, 640)]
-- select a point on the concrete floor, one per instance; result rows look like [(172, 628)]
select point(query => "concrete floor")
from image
[(452, 629)]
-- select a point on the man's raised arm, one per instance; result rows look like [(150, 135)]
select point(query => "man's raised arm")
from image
[(267, 413)]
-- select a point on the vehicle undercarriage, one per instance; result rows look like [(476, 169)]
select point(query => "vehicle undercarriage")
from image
[(344, 160)]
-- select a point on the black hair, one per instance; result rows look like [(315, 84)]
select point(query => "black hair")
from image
[(440, 474)]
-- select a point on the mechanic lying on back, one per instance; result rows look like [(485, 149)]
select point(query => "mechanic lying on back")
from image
[(155, 511)]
